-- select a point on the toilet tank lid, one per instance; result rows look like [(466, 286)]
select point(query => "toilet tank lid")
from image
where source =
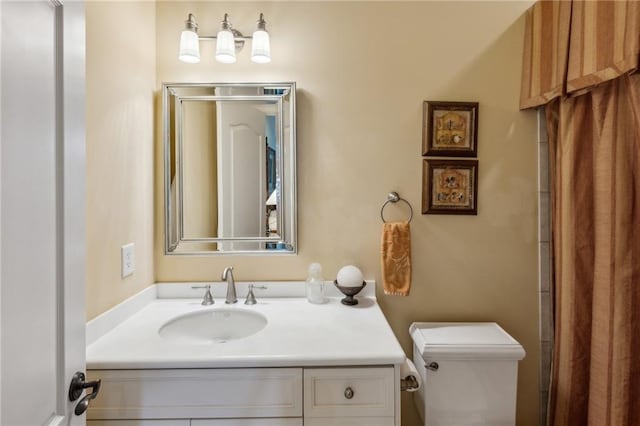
[(465, 340)]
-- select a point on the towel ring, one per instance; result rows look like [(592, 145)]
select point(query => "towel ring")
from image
[(393, 197)]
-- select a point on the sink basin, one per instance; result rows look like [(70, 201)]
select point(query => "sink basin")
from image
[(218, 325)]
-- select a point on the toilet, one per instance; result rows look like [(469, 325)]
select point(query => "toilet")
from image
[(469, 373)]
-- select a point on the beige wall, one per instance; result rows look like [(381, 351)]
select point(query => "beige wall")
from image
[(363, 70), (200, 177), (121, 79)]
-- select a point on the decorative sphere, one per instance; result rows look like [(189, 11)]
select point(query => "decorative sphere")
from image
[(349, 276)]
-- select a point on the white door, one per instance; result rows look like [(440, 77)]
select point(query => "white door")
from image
[(42, 210), (242, 182)]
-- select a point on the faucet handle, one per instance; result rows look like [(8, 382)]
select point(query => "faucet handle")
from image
[(208, 298), (251, 298)]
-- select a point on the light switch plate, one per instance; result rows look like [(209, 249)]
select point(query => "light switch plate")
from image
[(128, 260)]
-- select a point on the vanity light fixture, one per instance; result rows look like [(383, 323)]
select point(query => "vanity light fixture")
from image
[(189, 46), (229, 41), (226, 43), (261, 46)]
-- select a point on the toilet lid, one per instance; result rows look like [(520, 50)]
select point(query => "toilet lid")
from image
[(465, 340)]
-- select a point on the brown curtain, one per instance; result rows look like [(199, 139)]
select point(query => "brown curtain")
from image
[(570, 46), (594, 144), (546, 48), (579, 60), (604, 42)]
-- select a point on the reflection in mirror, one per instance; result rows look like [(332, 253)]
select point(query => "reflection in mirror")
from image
[(229, 168)]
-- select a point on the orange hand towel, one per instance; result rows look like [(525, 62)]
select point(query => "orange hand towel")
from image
[(396, 258)]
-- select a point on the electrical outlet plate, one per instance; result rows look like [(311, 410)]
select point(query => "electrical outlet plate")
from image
[(128, 260)]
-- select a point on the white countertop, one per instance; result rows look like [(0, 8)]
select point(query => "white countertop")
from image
[(298, 333)]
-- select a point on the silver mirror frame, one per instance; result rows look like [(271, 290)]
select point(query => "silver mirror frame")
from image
[(287, 216)]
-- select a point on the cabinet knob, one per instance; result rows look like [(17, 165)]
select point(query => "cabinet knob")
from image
[(348, 393)]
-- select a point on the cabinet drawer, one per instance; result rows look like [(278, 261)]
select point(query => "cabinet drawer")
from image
[(350, 421), (248, 422), (349, 392), (189, 393)]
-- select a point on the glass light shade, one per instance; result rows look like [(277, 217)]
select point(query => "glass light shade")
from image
[(189, 47), (225, 47), (261, 47)]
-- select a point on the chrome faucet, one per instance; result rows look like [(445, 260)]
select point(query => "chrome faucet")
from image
[(227, 275)]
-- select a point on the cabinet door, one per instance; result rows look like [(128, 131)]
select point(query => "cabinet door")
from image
[(349, 392), (188, 394), (184, 422), (247, 422)]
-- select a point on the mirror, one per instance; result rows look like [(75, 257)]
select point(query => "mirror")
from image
[(230, 168)]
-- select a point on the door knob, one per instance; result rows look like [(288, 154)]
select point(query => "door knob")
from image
[(78, 384)]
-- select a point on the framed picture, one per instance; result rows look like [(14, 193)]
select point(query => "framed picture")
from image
[(450, 129), (450, 187)]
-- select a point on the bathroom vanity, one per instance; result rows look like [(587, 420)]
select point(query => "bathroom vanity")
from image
[(302, 363)]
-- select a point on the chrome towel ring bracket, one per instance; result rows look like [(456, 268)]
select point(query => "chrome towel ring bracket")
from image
[(393, 197)]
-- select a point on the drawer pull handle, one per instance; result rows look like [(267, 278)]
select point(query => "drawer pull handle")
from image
[(348, 393)]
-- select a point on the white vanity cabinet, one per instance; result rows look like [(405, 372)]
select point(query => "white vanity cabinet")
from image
[(345, 396), (311, 365)]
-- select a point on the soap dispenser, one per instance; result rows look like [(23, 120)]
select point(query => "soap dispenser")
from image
[(315, 284)]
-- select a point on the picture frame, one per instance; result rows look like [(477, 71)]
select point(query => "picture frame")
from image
[(450, 129), (271, 169), (450, 187)]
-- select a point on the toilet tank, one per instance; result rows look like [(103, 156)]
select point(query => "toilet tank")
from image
[(469, 372)]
